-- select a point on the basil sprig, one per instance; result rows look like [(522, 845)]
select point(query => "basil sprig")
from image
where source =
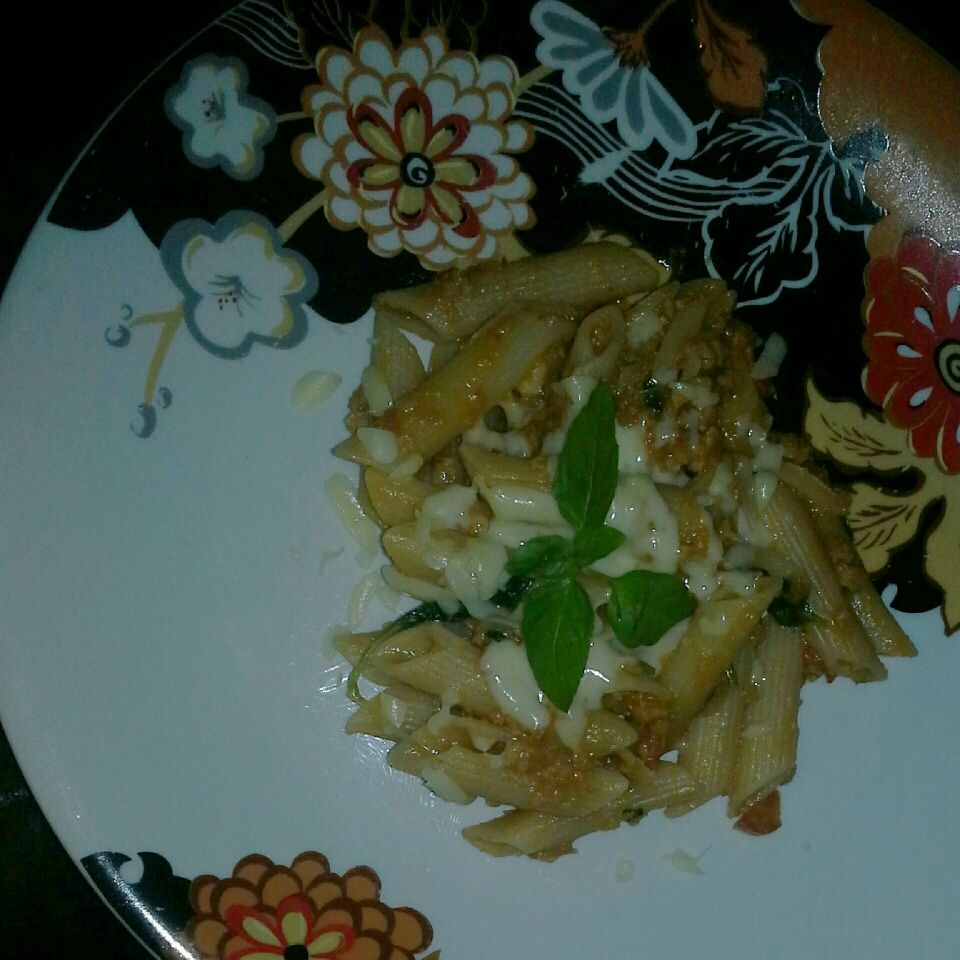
[(557, 620)]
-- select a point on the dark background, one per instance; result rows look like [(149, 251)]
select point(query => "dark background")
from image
[(63, 69)]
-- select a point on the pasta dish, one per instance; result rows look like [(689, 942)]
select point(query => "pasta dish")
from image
[(623, 575)]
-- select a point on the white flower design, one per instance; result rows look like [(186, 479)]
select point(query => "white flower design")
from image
[(222, 124), (240, 285), (607, 89), (411, 144)]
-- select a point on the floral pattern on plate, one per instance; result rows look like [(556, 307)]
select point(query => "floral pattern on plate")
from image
[(265, 910), (301, 912), (412, 146), (912, 342), (222, 124), (425, 151)]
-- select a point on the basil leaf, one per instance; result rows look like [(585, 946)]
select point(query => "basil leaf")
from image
[(544, 556), (586, 477), (789, 613), (594, 543), (426, 612), (557, 624), (511, 593), (645, 605)]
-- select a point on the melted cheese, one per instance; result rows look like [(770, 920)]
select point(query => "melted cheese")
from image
[(343, 497), (603, 666), (771, 356), (511, 533), (632, 449), (381, 444), (642, 515), (446, 509), (511, 442), (475, 572), (656, 653), (512, 502), (314, 388), (510, 680), (376, 391)]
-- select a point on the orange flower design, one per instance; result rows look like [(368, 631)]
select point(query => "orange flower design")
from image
[(265, 911)]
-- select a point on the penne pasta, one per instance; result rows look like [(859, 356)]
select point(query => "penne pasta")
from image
[(455, 396), (616, 558), (710, 746), (714, 637), (835, 633), (768, 740), (567, 791), (458, 303), (395, 357), (541, 835)]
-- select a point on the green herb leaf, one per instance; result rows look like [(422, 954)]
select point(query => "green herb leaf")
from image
[(645, 605), (594, 543), (548, 557), (790, 613), (586, 477), (653, 396), (557, 624), (512, 592)]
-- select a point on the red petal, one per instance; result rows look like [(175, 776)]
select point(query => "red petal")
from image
[(920, 254), (948, 441), (948, 277)]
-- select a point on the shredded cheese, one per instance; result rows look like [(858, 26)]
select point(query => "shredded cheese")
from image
[(313, 389)]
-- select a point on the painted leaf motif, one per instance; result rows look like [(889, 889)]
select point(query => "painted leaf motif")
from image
[(942, 550), (735, 67), (852, 436), (881, 522)]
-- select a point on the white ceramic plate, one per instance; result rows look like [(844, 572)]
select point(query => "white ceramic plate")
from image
[(165, 601)]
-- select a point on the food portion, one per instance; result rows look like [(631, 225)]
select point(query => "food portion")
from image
[(622, 575)]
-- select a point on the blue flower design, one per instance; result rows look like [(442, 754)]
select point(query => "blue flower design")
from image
[(222, 124), (607, 89), (240, 285)]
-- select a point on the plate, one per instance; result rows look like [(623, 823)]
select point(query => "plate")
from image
[(168, 685)]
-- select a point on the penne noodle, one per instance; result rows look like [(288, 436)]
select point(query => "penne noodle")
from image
[(454, 397), (541, 835), (710, 746), (878, 623), (599, 340), (394, 713), (567, 792), (395, 357), (835, 633), (668, 785), (459, 302), (768, 740), (606, 733), (395, 501), (491, 468), (714, 636)]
